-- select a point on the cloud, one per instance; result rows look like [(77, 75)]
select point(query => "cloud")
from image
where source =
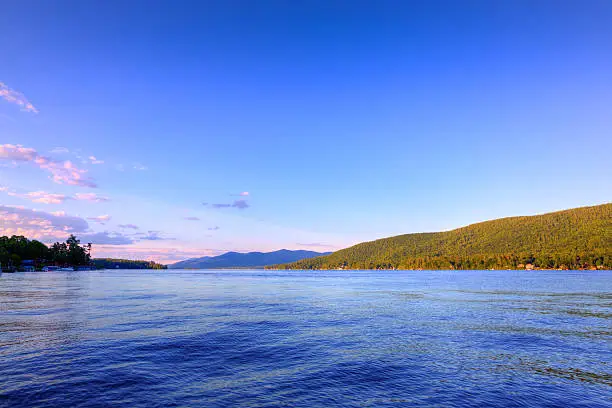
[(106, 238), (167, 254), (128, 226), (192, 219), (214, 228), (60, 150), (41, 197), (17, 153), (93, 197), (100, 218), (93, 160), (44, 197), (240, 204), (155, 236), (39, 224), (243, 194), (141, 167), (17, 98), (61, 172), (221, 205)]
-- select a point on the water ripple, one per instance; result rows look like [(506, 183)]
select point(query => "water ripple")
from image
[(306, 339)]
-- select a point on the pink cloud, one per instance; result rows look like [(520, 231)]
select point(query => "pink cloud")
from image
[(17, 153), (100, 218), (51, 198), (45, 198), (38, 196), (62, 172), (39, 224), (49, 227), (93, 197), (17, 98)]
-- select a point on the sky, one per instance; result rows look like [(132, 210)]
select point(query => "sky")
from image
[(166, 130)]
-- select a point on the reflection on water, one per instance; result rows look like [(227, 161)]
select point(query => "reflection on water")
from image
[(311, 339)]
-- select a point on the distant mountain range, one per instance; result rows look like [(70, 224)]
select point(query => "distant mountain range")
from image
[(230, 260), (579, 238)]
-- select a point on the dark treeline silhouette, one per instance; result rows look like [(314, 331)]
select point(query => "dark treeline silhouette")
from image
[(111, 263), (17, 249), (18, 252)]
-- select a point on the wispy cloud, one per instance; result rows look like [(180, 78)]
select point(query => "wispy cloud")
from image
[(139, 166), (92, 197), (240, 204), (17, 98), (192, 218), (214, 228), (106, 238), (94, 160), (155, 236), (37, 196), (100, 218), (62, 172), (44, 197), (221, 205), (166, 254), (128, 226), (60, 150), (243, 194)]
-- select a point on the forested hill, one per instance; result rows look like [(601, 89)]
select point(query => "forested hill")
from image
[(575, 239), (112, 263)]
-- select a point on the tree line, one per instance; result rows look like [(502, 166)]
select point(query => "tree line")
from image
[(112, 263), (579, 238), (16, 251)]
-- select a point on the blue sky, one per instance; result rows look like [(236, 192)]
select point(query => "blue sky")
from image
[(343, 121)]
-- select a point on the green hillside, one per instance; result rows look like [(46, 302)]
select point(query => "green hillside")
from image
[(575, 239)]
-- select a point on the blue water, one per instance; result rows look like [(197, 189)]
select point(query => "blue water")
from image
[(306, 339)]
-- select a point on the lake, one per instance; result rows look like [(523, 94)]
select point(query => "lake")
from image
[(306, 339)]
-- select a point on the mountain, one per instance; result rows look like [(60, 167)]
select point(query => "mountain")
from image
[(575, 239), (245, 260)]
